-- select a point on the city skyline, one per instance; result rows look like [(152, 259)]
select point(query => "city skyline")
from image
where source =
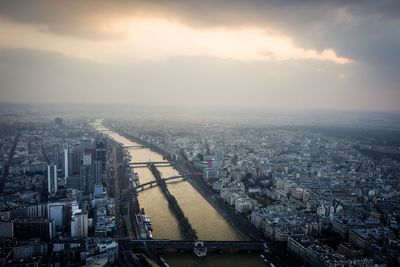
[(253, 54)]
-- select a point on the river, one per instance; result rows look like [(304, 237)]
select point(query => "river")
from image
[(208, 223)]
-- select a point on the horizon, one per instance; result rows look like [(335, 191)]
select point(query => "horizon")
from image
[(161, 114), (206, 108)]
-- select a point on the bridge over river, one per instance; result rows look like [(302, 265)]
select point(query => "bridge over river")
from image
[(145, 164), (190, 245), (201, 248), (151, 184)]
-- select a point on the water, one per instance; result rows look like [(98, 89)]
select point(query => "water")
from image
[(217, 260), (208, 223)]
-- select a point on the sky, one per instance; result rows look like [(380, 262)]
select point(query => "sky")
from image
[(311, 54)]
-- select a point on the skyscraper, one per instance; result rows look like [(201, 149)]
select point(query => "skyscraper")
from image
[(76, 161), (52, 179), (98, 172), (88, 178), (66, 161), (101, 151)]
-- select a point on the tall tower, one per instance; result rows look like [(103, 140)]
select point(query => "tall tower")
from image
[(52, 179), (101, 151), (88, 178), (98, 172), (66, 157)]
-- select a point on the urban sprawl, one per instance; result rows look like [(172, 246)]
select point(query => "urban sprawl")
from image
[(331, 199)]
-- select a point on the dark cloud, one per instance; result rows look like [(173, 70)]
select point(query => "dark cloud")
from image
[(342, 25), (67, 16)]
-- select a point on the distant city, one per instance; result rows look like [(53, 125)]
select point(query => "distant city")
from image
[(165, 191)]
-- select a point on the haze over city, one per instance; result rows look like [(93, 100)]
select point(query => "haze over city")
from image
[(261, 54), (224, 133)]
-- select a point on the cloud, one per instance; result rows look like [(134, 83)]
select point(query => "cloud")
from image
[(143, 37), (29, 75), (353, 29), (285, 33), (248, 43), (82, 16)]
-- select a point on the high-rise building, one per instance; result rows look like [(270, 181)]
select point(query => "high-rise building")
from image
[(98, 172), (66, 161), (101, 151), (76, 160), (55, 155), (88, 178), (52, 179)]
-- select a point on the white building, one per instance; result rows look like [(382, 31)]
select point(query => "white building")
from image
[(244, 204), (66, 163), (79, 224), (57, 213)]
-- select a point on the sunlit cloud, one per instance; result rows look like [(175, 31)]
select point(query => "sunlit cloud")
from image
[(157, 38), (243, 44)]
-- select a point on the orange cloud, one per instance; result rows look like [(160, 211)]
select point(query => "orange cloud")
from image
[(156, 38)]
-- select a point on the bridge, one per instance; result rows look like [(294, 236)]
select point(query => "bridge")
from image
[(200, 248), (150, 184), (147, 163), (134, 146), (105, 130), (160, 244)]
